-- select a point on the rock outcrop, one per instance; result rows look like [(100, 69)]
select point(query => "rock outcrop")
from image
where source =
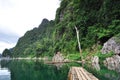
[(95, 59), (113, 63), (112, 45), (58, 57)]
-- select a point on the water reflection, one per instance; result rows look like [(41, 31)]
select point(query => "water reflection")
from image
[(37, 70), (4, 74), (59, 65)]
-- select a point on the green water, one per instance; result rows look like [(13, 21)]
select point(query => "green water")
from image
[(37, 70)]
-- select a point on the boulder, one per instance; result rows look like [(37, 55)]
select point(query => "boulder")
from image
[(112, 45), (113, 63), (95, 63), (58, 57)]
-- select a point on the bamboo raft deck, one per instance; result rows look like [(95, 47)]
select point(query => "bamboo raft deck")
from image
[(79, 73)]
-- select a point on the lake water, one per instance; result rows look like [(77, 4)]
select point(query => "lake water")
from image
[(5, 74), (37, 70)]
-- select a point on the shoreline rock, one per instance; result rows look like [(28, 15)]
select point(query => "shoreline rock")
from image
[(113, 63), (58, 57)]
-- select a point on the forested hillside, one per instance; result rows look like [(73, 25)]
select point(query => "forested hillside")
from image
[(35, 41), (96, 20)]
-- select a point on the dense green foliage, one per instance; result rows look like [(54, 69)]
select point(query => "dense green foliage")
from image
[(36, 41), (97, 21)]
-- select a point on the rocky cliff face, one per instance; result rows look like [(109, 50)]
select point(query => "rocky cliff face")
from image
[(113, 45)]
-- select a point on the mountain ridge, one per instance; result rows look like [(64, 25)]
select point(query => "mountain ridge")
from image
[(96, 20)]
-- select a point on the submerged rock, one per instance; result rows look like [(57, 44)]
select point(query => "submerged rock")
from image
[(113, 63), (113, 45)]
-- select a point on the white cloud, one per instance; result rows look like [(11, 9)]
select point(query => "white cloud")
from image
[(4, 45), (26, 14), (18, 16)]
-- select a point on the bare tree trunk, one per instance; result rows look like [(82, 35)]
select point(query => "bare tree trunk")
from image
[(79, 45)]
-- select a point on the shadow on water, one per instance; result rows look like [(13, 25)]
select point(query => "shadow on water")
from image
[(37, 70)]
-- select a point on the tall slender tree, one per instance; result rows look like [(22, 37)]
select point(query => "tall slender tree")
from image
[(78, 39)]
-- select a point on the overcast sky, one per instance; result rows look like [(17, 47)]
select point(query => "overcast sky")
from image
[(19, 16)]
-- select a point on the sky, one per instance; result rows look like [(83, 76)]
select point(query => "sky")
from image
[(19, 16)]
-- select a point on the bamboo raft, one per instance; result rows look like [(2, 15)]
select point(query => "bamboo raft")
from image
[(79, 73)]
